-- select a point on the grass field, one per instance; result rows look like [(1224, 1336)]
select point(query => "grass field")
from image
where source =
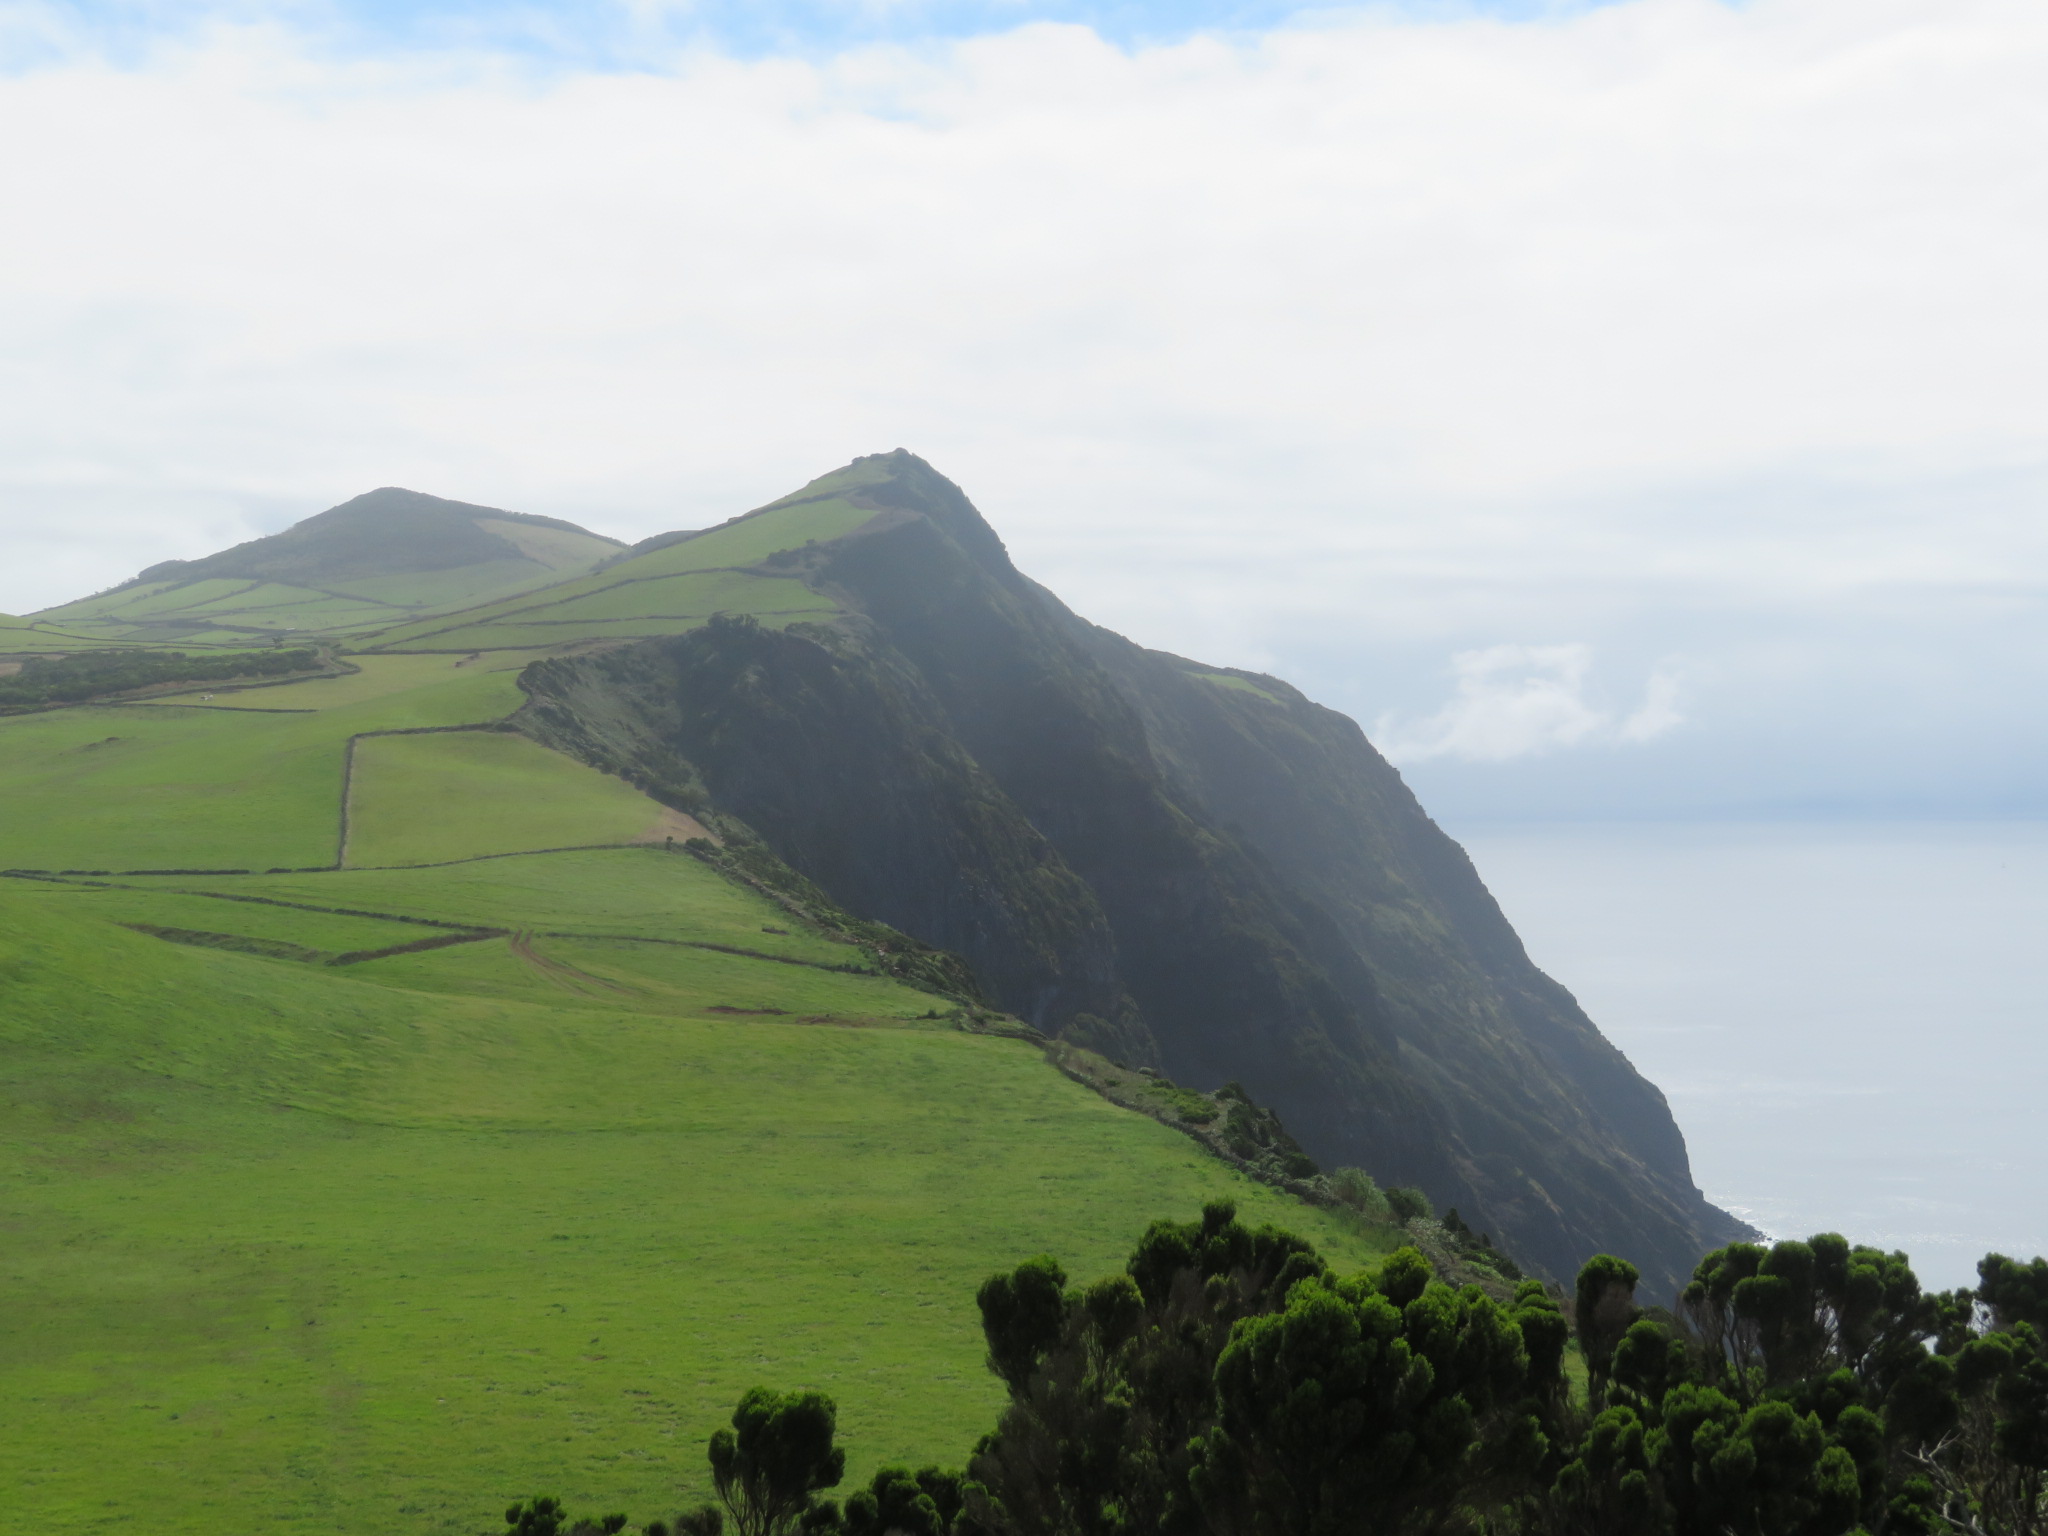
[(618, 604), (666, 590), (187, 612), (309, 1247), (375, 677), (184, 786), (465, 794), (165, 907), (642, 977), (311, 1253), (625, 892)]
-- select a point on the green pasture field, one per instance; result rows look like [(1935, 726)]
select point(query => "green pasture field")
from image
[(140, 614), (809, 515), (154, 600), (295, 1251), (616, 604), (35, 638), (415, 592), (665, 590), (696, 595), (375, 677), (166, 907), (187, 786), (646, 977), (625, 892), (466, 794)]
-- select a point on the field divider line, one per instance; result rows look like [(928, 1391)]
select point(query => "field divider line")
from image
[(519, 853), (468, 932), (417, 946), (348, 784), (723, 949), (262, 901)]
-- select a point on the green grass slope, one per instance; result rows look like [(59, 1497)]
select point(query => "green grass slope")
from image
[(192, 786), (247, 924), (342, 1199), (294, 1249), (666, 587), (632, 893), (381, 559), (223, 612), (467, 794)]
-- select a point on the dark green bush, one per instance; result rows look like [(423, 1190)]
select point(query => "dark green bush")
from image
[(1408, 1203), (70, 679)]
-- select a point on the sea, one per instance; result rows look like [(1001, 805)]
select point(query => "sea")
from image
[(1850, 1020)]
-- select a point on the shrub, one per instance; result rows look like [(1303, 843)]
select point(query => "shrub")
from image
[(1185, 1103), (1408, 1203), (1357, 1190)]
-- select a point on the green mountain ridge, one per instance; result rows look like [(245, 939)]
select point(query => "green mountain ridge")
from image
[(1201, 870), (481, 1061), (1182, 865)]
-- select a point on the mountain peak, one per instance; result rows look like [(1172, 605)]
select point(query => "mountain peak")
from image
[(901, 481), (392, 531)]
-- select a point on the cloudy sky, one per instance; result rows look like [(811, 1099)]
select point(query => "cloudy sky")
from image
[(1623, 409)]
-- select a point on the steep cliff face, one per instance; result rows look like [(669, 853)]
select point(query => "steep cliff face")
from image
[(1198, 868)]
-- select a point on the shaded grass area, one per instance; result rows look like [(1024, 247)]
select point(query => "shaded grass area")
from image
[(637, 892), (464, 794), (524, 1244), (161, 786)]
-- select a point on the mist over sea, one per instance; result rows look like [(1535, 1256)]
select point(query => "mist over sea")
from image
[(1850, 1020)]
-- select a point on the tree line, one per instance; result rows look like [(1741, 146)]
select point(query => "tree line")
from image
[(1230, 1383), (94, 674)]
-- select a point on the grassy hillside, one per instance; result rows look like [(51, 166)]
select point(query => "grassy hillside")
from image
[(294, 1248), (240, 785), (465, 794), (426, 1129), (669, 587), (629, 893), (381, 559)]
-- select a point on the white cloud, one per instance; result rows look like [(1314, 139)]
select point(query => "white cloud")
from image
[(1517, 701), (1679, 327), (1466, 291), (1657, 713)]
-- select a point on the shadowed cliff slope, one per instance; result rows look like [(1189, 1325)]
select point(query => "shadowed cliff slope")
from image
[(1194, 868)]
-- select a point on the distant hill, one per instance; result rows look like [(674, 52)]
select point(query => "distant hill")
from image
[(383, 557)]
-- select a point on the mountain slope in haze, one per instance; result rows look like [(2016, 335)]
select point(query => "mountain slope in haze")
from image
[(1194, 868), (373, 561), (663, 585)]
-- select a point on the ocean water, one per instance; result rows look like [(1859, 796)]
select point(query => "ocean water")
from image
[(1850, 1020)]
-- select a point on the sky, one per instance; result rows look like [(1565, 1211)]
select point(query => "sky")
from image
[(1622, 410)]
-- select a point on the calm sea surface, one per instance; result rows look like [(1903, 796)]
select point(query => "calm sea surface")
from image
[(1850, 1021)]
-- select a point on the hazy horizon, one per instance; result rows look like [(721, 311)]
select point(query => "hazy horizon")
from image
[(1845, 1018)]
